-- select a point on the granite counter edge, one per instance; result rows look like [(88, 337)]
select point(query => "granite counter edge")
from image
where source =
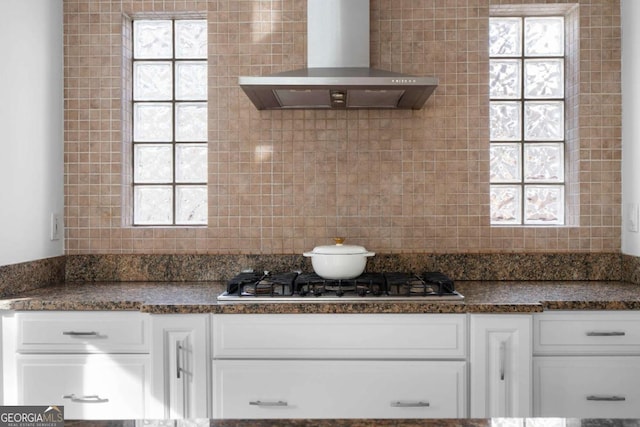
[(315, 308)]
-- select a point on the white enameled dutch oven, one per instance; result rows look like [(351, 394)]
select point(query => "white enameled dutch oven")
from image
[(338, 261)]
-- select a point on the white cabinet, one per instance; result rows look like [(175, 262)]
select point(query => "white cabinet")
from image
[(89, 386), (180, 368), (339, 389), (339, 366), (587, 333), (82, 332), (131, 365), (96, 364), (353, 336), (587, 364), (587, 386), (500, 365), (2, 316)]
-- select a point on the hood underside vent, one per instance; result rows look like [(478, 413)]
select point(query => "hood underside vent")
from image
[(338, 74), (338, 88)]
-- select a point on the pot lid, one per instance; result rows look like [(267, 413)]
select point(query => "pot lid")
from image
[(339, 248)]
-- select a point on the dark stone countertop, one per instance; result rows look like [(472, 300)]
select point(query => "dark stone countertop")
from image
[(200, 297), (495, 422)]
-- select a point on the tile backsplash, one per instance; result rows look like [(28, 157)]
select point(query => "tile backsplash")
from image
[(281, 182)]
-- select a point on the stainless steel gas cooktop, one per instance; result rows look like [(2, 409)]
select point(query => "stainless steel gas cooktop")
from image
[(295, 286)]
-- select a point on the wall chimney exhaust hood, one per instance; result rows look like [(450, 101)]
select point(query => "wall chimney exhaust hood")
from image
[(338, 73)]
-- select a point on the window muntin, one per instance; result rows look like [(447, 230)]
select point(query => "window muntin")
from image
[(527, 120), (170, 122)]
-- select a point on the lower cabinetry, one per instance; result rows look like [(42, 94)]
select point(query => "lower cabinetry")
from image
[(587, 387), (339, 389), (107, 365), (96, 364), (586, 364), (131, 365), (180, 368), (89, 386), (339, 366), (500, 365)]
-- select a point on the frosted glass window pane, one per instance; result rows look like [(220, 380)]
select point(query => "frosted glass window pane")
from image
[(191, 39), (170, 122), (504, 78), (505, 121), (544, 162), (153, 205), (191, 163), (505, 36), (152, 81), (152, 39), (544, 204), (191, 81), (152, 122), (153, 163), (505, 204), (191, 205), (191, 121), (544, 121), (544, 78), (544, 36), (505, 162)]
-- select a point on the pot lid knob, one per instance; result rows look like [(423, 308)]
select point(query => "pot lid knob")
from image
[(339, 240)]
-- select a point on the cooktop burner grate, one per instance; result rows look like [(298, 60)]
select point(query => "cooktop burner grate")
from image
[(262, 284), (294, 286), (364, 285)]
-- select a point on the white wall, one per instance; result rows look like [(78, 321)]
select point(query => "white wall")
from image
[(630, 11), (31, 128)]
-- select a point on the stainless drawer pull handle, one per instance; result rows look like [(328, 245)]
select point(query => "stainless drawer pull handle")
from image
[(607, 398), (606, 334), (178, 366), (85, 399), (400, 404), (261, 403), (503, 351), (80, 334)]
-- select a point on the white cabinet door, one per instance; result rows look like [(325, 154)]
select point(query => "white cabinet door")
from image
[(180, 368), (587, 387), (344, 336), (89, 386), (500, 364), (339, 389), (82, 332), (587, 333)]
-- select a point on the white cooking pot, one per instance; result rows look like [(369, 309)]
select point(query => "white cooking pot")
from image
[(338, 261)]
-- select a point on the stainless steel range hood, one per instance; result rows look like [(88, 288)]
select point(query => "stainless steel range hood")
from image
[(338, 73)]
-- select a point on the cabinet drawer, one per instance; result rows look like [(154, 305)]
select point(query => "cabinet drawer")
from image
[(339, 336), (587, 333), (338, 389), (82, 332), (89, 386), (587, 387)]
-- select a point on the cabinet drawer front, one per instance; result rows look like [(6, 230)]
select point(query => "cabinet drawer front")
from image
[(338, 389), (89, 386), (587, 387), (339, 336), (587, 333), (82, 332)]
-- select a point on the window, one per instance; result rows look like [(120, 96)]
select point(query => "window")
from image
[(169, 122), (527, 120)]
